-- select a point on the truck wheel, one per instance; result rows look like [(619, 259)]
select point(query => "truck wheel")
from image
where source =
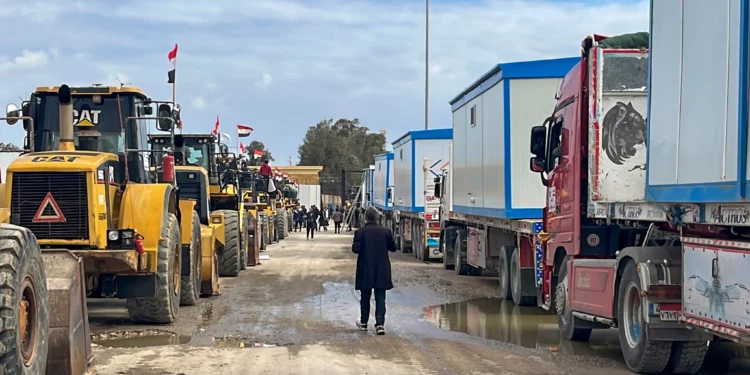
[(516, 281), (565, 319), (25, 330), (687, 357), (275, 224), (447, 243), (189, 293), (163, 306), (641, 354), (229, 259), (459, 252), (503, 272)]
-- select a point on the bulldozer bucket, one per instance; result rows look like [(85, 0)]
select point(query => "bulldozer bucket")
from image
[(69, 333)]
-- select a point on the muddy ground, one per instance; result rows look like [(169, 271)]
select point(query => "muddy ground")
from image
[(295, 314)]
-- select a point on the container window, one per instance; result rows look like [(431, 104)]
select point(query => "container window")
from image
[(473, 115), (401, 154)]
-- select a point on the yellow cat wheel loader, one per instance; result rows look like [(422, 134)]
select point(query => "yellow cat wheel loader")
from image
[(218, 193)]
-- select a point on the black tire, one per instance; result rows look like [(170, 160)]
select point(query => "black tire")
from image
[(162, 307), (645, 356), (687, 357), (447, 243), (275, 224), (280, 225), (566, 322), (503, 272), (459, 252), (516, 281), (189, 292), (244, 243), (23, 279), (229, 258)]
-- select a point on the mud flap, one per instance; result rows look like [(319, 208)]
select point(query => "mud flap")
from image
[(69, 333)]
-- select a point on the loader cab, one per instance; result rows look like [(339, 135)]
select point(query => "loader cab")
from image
[(100, 124)]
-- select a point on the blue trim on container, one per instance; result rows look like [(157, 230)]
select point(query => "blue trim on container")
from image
[(446, 133), (743, 102), (506, 135), (413, 175), (552, 68), (500, 213), (648, 98), (380, 206), (710, 192), (386, 156)]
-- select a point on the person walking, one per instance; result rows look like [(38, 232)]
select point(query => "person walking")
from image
[(311, 222), (372, 243), (337, 218), (297, 219)]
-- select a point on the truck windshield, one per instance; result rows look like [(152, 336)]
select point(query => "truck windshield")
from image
[(195, 153), (105, 120)]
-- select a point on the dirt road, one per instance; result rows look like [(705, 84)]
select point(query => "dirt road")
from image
[(295, 314)]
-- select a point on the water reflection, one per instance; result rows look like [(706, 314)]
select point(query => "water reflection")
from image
[(530, 327)]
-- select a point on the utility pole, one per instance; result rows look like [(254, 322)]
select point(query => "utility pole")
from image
[(426, 63)]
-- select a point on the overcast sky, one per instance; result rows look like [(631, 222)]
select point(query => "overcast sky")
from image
[(282, 65)]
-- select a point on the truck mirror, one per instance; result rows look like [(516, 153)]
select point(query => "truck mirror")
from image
[(25, 111), (26, 144), (538, 140), (536, 164), (12, 114), (165, 118), (438, 188)]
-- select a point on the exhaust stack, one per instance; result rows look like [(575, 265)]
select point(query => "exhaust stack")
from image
[(66, 119)]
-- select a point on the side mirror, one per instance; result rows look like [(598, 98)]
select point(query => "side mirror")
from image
[(26, 144), (25, 111), (438, 188), (536, 164), (538, 141), (12, 113), (389, 195), (165, 118)]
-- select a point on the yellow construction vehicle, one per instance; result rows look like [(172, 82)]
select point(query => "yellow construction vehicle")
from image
[(219, 195), (85, 187)]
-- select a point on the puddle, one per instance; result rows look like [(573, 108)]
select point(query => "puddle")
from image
[(530, 327), (242, 342), (138, 339)]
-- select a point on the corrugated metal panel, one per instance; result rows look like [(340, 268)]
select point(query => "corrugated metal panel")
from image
[(493, 147), (402, 180), (531, 101), (437, 152), (458, 164), (694, 108), (309, 195)]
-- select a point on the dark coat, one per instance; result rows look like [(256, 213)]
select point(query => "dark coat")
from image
[(372, 244)]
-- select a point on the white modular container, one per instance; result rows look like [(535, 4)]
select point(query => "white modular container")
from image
[(309, 195), (492, 120), (382, 180), (409, 154), (368, 199), (698, 102)]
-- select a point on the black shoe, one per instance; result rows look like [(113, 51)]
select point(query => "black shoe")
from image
[(380, 329), (361, 326)]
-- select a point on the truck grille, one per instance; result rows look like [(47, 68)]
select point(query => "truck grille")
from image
[(68, 189)]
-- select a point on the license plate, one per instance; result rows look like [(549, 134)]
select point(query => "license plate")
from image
[(669, 315)]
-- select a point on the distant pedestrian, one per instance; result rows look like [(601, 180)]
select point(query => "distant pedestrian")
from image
[(311, 222), (298, 219), (371, 244), (337, 218), (323, 221)]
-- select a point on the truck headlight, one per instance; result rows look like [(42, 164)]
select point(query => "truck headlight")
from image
[(113, 235)]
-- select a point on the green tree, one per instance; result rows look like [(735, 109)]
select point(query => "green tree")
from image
[(250, 151), (341, 144)]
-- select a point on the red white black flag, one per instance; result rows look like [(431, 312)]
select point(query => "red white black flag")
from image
[(172, 59), (243, 131)]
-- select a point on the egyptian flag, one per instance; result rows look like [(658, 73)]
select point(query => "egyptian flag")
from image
[(215, 132), (173, 60), (242, 148), (257, 154), (243, 131)]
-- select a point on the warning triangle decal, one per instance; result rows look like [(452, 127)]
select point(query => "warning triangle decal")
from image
[(48, 211), (84, 122)]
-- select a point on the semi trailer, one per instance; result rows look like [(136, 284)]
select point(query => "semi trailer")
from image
[(419, 156)]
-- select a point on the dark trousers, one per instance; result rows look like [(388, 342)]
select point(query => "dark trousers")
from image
[(364, 304), (337, 226), (298, 225), (310, 230)]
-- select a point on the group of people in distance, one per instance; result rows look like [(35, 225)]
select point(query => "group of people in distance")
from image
[(314, 218)]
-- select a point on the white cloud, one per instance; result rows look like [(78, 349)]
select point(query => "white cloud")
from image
[(198, 102), (265, 81), (355, 58)]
